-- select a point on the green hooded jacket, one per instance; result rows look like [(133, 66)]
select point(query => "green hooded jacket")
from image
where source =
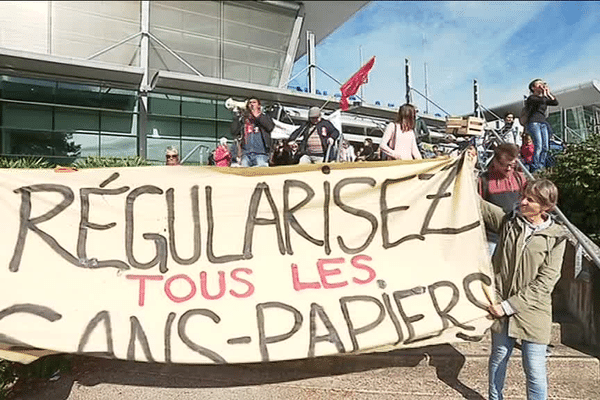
[(525, 272)]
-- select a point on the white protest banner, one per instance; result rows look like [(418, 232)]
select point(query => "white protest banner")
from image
[(227, 265), (283, 130)]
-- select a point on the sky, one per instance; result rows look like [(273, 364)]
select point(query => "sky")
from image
[(502, 45)]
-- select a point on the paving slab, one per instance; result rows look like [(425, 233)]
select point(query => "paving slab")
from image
[(434, 372)]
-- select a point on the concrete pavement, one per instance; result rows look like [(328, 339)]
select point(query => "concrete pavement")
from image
[(435, 372)]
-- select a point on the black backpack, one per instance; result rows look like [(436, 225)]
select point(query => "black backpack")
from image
[(524, 116)]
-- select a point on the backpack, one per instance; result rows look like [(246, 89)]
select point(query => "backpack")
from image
[(391, 145), (524, 116)]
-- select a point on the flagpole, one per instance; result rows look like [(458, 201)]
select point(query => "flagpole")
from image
[(352, 85), (327, 101), (361, 64)]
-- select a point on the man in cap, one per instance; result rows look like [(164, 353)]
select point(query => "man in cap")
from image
[(317, 138)]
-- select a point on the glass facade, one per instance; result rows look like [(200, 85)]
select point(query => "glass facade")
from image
[(231, 40), (190, 124), (242, 41), (63, 121), (575, 124), (46, 116)]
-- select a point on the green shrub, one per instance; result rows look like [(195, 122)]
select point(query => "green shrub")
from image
[(8, 376), (24, 162), (577, 176), (110, 162), (89, 162), (43, 368)]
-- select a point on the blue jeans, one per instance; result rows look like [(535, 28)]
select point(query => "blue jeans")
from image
[(540, 137), (254, 160), (534, 364)]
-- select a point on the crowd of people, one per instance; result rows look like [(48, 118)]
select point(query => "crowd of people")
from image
[(315, 141), (525, 243)]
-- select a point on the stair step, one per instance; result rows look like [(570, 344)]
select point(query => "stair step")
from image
[(560, 330), (434, 372)]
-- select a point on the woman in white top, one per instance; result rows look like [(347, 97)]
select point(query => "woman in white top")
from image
[(347, 152), (398, 140)]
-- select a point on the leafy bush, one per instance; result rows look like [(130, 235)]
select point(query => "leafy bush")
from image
[(24, 162), (44, 368), (89, 162), (110, 162), (8, 376), (577, 176)]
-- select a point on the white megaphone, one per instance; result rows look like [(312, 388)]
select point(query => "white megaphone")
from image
[(231, 104)]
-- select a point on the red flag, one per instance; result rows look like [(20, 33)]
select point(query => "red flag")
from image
[(351, 86)]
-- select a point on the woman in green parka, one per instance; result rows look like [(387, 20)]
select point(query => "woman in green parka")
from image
[(527, 265)]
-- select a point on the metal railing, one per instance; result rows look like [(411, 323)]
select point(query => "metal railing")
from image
[(188, 155)]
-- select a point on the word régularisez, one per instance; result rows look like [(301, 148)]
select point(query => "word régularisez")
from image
[(283, 222)]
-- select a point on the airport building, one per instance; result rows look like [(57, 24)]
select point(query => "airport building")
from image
[(126, 78)]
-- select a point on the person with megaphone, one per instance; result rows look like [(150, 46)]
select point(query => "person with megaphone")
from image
[(253, 128)]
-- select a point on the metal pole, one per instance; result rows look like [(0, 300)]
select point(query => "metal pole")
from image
[(177, 56), (326, 158), (295, 76), (325, 72), (432, 102), (476, 110), (426, 94), (192, 152), (489, 111), (144, 85), (286, 71), (361, 63), (113, 46), (407, 74), (312, 73)]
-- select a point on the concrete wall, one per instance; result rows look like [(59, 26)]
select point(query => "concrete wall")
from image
[(577, 300)]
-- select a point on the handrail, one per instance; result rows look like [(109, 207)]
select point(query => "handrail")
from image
[(488, 110), (192, 152), (429, 100)]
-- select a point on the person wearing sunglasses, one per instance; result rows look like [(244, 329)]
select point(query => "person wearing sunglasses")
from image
[(172, 156)]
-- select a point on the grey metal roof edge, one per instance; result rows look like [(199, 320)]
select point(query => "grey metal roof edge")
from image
[(227, 88), (57, 66), (584, 85), (516, 106), (322, 34)]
